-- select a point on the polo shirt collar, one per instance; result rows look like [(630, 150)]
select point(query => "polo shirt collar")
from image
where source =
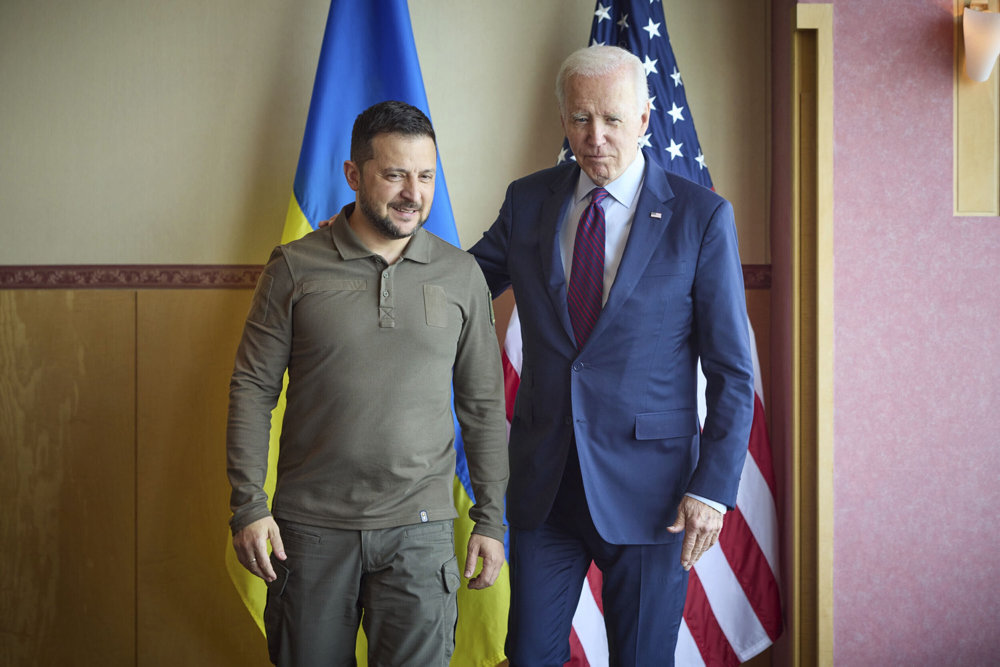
[(350, 246)]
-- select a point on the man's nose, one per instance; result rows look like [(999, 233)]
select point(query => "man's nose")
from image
[(410, 189), (595, 134)]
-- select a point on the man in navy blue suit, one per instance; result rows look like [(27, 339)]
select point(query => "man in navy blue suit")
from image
[(624, 276)]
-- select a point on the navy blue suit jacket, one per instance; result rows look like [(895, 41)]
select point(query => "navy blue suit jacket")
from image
[(629, 396)]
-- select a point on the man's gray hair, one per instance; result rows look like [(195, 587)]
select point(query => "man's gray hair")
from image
[(598, 61)]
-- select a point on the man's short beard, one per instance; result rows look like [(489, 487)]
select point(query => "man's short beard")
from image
[(382, 224)]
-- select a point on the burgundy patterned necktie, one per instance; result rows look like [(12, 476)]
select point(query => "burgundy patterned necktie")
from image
[(586, 278)]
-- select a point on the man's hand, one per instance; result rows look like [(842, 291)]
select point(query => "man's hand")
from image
[(326, 223), (250, 544), (702, 525), (491, 551)]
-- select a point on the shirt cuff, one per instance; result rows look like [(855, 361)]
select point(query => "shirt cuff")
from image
[(711, 503)]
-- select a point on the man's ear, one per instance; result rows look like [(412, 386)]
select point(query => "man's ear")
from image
[(645, 118), (353, 175)]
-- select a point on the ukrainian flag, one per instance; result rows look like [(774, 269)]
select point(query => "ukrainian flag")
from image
[(368, 55)]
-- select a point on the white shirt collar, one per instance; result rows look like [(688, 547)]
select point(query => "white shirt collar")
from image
[(624, 188)]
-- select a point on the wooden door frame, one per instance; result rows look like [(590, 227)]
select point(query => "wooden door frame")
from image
[(810, 605)]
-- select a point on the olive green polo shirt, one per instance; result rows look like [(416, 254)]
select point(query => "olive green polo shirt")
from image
[(372, 352)]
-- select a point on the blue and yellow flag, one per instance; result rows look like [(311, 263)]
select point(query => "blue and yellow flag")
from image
[(368, 55)]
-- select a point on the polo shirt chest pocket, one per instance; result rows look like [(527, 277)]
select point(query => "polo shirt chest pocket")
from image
[(435, 306), (325, 305), (313, 286), (323, 290)]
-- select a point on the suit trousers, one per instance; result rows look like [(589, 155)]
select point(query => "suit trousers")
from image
[(399, 583), (643, 592)]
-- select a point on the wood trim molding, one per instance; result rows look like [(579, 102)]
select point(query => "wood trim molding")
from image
[(192, 276), (130, 276), (811, 598), (976, 132)]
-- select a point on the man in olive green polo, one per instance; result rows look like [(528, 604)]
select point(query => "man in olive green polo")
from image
[(375, 321)]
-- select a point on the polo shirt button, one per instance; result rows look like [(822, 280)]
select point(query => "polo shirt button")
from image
[(386, 293)]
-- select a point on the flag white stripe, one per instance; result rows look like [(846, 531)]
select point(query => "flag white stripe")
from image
[(589, 625), (757, 507), (687, 653), (729, 603), (512, 344), (758, 386)]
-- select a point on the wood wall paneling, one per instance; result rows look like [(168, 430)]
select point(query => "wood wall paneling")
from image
[(67, 478), (187, 341), (112, 425)]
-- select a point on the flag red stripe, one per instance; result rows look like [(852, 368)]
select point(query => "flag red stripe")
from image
[(595, 579), (511, 380), (705, 629), (760, 445), (751, 569), (577, 656)]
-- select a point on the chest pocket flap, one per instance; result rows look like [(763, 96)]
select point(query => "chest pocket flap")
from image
[(312, 286), (435, 306)]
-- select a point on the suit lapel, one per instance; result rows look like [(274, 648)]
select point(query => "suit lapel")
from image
[(552, 213), (643, 238)]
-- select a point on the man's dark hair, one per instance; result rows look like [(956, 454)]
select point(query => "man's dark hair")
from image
[(390, 117)]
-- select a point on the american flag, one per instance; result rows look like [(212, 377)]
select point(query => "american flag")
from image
[(733, 607)]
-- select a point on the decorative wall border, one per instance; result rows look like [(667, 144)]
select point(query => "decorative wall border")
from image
[(191, 276), (130, 276)]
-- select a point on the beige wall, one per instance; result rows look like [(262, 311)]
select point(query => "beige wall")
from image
[(139, 132), (154, 133)]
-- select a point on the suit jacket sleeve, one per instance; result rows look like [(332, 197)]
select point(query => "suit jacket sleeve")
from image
[(723, 343), (491, 250)]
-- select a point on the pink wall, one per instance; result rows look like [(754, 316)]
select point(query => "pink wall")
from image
[(917, 345)]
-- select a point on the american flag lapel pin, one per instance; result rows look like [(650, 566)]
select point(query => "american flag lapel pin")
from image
[(656, 214)]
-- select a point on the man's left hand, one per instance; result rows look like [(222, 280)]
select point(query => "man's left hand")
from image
[(491, 551), (701, 524)]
